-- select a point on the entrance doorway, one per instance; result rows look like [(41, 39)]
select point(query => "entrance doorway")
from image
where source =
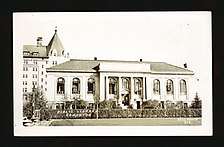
[(126, 100), (138, 105)]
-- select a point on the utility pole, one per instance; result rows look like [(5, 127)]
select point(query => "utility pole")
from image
[(33, 101)]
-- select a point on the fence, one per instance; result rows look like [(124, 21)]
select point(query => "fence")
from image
[(123, 113)]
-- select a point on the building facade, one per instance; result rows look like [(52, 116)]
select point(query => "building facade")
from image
[(125, 82)]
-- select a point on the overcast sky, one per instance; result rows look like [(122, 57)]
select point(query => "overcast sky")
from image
[(173, 37)]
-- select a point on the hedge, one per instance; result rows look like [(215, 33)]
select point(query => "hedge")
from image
[(124, 113)]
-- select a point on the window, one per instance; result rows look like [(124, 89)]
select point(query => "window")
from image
[(55, 54), (55, 62), (42, 73), (42, 79), (52, 62), (45, 89), (91, 86), (25, 90), (137, 86), (45, 82), (24, 82), (35, 53), (169, 87), (35, 82), (34, 61), (125, 83), (63, 52), (112, 86), (34, 75), (24, 75), (156, 87), (76, 86), (41, 86), (42, 66), (183, 88), (46, 62), (25, 61), (26, 53), (25, 68), (60, 85)]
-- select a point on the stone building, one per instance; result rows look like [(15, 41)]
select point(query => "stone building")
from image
[(126, 82)]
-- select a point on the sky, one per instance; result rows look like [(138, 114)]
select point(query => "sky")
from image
[(172, 37)]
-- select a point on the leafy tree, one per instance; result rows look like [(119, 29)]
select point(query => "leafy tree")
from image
[(37, 102), (196, 103)]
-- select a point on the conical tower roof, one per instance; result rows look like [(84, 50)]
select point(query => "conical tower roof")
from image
[(56, 44)]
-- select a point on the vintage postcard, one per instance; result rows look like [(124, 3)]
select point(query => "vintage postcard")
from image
[(112, 73)]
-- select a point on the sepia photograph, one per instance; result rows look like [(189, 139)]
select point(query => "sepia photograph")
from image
[(112, 73)]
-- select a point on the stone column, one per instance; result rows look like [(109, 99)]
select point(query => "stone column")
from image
[(102, 87), (120, 89), (132, 90), (163, 89), (107, 87), (143, 88), (175, 89), (148, 89), (84, 87)]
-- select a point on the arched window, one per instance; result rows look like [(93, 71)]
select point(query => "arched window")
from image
[(125, 83), (137, 86), (60, 86), (91, 86), (169, 87), (76, 86), (51, 52), (183, 88), (156, 87), (112, 86)]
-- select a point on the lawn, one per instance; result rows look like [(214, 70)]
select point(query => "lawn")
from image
[(126, 122)]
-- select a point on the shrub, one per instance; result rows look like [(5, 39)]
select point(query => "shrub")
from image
[(153, 104)]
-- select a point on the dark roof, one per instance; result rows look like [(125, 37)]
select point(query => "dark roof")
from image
[(165, 67), (89, 66), (34, 48), (55, 43)]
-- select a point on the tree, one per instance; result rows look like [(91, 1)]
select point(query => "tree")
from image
[(37, 102), (96, 99), (196, 103)]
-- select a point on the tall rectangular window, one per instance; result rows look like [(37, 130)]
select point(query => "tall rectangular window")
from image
[(183, 88), (156, 87)]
